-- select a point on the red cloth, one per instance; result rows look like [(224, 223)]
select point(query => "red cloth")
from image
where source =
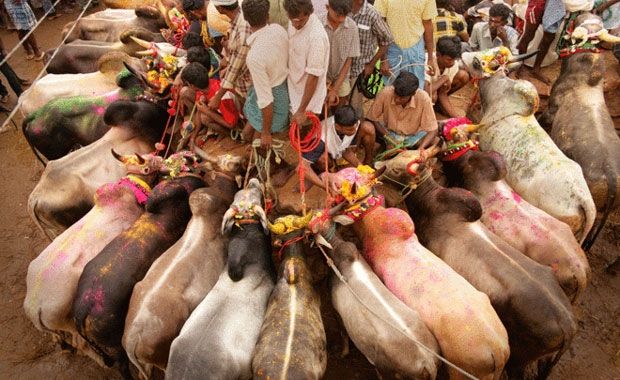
[(228, 108)]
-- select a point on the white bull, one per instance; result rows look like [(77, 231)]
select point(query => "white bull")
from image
[(537, 168)]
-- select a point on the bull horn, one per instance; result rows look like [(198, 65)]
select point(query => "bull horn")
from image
[(204, 155), (473, 127), (141, 160), (431, 152), (522, 57), (118, 156), (606, 37), (141, 42), (378, 172), (304, 221)]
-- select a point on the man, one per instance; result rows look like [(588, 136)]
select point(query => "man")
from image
[(448, 23), (495, 32), (308, 60), (403, 114), (237, 76), (343, 133), (411, 22), (550, 15), (448, 77), (375, 36), (344, 44), (267, 105)]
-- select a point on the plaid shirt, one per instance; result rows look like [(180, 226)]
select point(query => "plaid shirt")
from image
[(448, 23), (237, 74), (373, 31)]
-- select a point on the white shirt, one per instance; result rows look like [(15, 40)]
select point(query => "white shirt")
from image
[(449, 71), (308, 54), (267, 61)]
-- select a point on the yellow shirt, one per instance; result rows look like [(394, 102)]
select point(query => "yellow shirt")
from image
[(404, 17)]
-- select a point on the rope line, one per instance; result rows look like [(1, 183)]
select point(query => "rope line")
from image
[(331, 264)]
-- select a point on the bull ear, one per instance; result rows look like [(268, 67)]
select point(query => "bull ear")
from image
[(321, 240), (228, 220), (343, 219)]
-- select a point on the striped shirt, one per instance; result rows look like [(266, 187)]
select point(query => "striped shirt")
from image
[(344, 42), (237, 74), (448, 23), (373, 31)]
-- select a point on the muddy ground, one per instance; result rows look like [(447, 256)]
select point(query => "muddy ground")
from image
[(28, 354)]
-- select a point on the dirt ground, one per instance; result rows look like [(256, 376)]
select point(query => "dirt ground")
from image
[(26, 353)]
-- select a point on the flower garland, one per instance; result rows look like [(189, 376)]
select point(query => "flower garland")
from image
[(161, 74)]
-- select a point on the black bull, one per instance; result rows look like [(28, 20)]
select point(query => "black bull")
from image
[(578, 121)]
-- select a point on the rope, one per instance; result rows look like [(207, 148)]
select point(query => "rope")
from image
[(263, 169), (331, 264), (43, 71), (308, 144)]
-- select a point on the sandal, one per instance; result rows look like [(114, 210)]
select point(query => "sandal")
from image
[(40, 58), (54, 17), (30, 57)]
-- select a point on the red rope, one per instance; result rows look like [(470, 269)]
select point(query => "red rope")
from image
[(289, 242), (308, 144)]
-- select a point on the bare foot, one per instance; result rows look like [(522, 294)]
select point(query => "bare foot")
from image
[(281, 175), (541, 77)]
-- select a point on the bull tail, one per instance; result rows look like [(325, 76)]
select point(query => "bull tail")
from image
[(612, 189)]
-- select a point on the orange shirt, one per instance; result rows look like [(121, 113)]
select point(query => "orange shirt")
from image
[(416, 116)]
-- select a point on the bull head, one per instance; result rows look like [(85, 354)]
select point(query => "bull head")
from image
[(590, 29), (483, 64), (246, 206), (355, 184), (411, 166), (138, 164), (234, 165)]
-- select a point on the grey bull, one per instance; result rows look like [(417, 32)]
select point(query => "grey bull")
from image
[(537, 169)]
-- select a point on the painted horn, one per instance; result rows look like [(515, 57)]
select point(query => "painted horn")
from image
[(606, 37), (473, 127), (141, 160), (522, 57)]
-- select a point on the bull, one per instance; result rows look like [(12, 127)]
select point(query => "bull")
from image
[(65, 124), (470, 334), (529, 229), (292, 342), (108, 25), (183, 275), (219, 337), (390, 334), (53, 276), (53, 86), (448, 223), (104, 290), (536, 168), (578, 121), (65, 191)]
